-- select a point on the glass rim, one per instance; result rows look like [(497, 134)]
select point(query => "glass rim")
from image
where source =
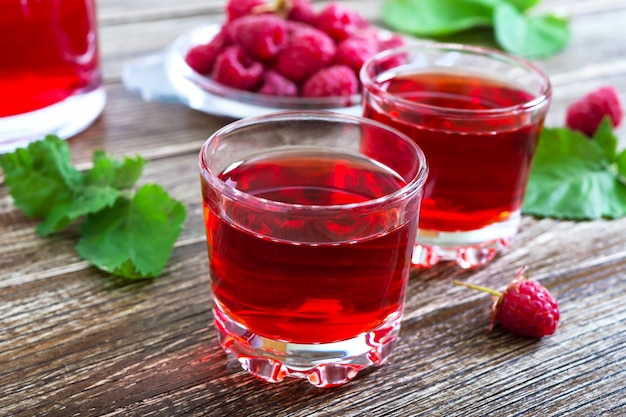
[(370, 84), (411, 187)]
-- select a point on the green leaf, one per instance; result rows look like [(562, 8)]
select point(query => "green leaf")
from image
[(529, 36), (133, 238), (88, 200), (436, 17), (41, 176), (621, 165), (606, 139), (108, 171), (571, 178), (521, 5)]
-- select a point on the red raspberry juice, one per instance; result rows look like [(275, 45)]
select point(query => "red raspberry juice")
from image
[(478, 168), (323, 280), (49, 52)]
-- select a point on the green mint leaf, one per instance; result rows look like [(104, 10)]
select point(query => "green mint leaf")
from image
[(41, 176), (133, 238), (436, 17), (606, 139), (529, 36), (108, 171), (125, 234), (88, 200), (521, 5), (571, 178)]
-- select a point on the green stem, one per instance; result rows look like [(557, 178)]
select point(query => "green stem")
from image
[(478, 287)]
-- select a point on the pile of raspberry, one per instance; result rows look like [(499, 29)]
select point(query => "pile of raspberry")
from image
[(289, 49)]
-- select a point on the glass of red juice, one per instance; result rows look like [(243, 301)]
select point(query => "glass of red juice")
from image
[(310, 237), (477, 114), (49, 72)]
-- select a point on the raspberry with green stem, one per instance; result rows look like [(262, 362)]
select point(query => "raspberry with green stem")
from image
[(526, 308)]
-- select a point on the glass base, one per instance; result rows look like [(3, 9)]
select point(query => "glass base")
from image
[(64, 119), (323, 364), (469, 249)]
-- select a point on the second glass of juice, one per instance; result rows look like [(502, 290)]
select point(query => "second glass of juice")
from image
[(477, 114)]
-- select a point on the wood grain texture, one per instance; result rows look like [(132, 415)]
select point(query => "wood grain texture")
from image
[(77, 342)]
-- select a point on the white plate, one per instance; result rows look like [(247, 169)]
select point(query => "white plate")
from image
[(166, 77)]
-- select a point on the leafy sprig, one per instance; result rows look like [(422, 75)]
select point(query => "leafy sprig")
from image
[(124, 232), (578, 178), (516, 29)]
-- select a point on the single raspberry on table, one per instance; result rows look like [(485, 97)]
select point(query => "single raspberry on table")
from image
[(525, 308), (339, 22), (586, 114), (234, 68), (239, 8), (275, 84), (306, 51), (201, 58), (335, 80), (261, 35)]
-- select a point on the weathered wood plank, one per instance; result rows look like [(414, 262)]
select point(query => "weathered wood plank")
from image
[(75, 341)]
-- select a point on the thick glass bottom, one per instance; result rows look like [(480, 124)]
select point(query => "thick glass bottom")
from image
[(323, 365), (469, 249), (64, 119)]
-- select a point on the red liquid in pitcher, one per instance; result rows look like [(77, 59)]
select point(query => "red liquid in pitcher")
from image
[(49, 52), (478, 168), (323, 280)]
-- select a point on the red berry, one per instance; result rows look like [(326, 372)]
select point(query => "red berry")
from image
[(236, 69), (306, 51), (336, 80), (261, 36), (295, 26), (353, 52), (239, 8), (586, 114), (302, 11), (525, 308), (275, 84), (389, 40), (339, 22), (201, 58)]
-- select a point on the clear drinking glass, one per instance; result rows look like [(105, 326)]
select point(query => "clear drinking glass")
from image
[(49, 72), (477, 114), (310, 220)]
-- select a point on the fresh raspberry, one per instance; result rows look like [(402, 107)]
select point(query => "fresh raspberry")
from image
[(239, 8), (294, 26), (236, 69), (302, 11), (586, 114), (306, 51), (261, 36), (201, 58), (335, 80), (275, 84), (525, 308), (370, 35), (389, 40), (339, 22), (353, 52)]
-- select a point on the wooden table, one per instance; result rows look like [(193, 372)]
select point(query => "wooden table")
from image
[(76, 341)]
